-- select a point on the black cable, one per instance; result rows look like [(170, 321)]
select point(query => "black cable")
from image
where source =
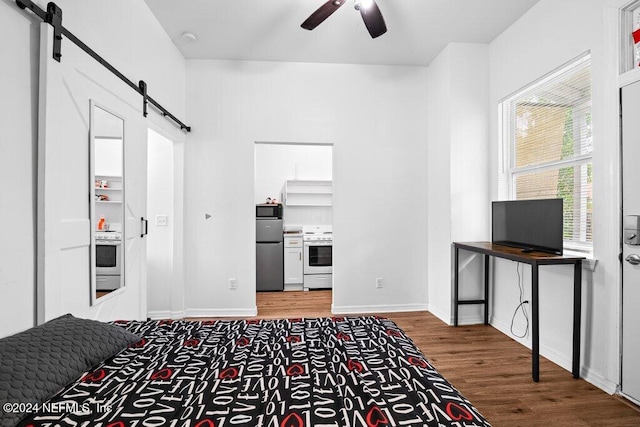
[(521, 305)]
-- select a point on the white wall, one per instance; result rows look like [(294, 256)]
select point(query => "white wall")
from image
[(549, 35), (132, 40), (160, 200), (18, 142), (276, 163), (108, 156), (165, 244), (457, 168), (376, 118), (439, 185)]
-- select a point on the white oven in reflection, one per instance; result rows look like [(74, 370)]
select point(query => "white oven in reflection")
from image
[(108, 264)]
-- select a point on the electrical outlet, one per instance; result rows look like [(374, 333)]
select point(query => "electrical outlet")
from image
[(379, 282), (233, 284)]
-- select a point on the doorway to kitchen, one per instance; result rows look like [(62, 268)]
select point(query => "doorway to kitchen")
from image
[(299, 178), (165, 286)]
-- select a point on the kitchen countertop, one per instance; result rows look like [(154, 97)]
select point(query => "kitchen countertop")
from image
[(292, 234), (292, 230)]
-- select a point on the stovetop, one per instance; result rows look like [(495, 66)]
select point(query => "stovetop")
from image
[(317, 233), (108, 235)]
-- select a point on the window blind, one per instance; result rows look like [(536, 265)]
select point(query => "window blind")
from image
[(547, 147)]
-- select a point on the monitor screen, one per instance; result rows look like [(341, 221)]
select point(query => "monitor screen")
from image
[(528, 224)]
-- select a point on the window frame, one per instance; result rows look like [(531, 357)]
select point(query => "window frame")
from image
[(508, 172)]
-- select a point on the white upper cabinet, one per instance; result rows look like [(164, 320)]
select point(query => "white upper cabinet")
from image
[(307, 193)]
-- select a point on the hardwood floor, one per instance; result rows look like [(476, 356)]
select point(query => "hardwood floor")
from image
[(489, 368)]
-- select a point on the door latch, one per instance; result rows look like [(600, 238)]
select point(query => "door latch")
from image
[(633, 259), (631, 230)]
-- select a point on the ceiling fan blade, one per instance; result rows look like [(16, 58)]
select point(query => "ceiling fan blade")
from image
[(323, 12), (373, 20)]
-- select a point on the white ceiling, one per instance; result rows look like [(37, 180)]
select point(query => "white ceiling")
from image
[(267, 30)]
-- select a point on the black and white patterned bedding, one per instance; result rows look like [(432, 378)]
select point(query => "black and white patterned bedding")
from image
[(352, 371)]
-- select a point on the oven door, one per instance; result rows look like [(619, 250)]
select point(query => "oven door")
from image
[(318, 257), (108, 258)]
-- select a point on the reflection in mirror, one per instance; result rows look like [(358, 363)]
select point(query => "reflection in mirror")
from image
[(107, 207)]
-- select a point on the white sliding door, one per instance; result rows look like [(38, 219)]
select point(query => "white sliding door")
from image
[(64, 218)]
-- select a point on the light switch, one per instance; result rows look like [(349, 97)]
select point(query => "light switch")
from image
[(162, 220)]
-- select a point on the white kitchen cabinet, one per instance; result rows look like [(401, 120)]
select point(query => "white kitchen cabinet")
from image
[(108, 201), (307, 193), (108, 189), (293, 272)]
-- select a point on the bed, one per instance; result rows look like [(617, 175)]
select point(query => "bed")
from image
[(338, 371)]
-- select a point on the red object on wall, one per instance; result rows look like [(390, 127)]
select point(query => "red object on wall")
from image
[(636, 36)]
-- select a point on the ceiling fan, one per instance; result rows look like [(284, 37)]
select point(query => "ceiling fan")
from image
[(369, 11)]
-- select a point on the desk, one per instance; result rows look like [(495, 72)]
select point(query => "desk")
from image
[(534, 259)]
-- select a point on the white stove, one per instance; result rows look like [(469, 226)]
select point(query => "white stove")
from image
[(318, 256), (108, 260)]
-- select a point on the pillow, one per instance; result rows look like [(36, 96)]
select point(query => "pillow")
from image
[(39, 362)]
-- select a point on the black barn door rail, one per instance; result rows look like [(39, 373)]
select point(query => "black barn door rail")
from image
[(53, 16)]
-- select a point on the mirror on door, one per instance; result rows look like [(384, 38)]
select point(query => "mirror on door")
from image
[(106, 202)]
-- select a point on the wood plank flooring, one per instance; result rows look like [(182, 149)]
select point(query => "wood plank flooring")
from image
[(489, 368)]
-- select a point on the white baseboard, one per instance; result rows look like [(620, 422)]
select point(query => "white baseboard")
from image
[(598, 380), (562, 360), (165, 314), (377, 309), (445, 317), (469, 320), (221, 312)]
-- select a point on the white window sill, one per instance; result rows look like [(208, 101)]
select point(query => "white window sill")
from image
[(589, 263)]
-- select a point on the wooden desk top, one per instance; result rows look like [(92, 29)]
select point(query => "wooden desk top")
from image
[(516, 254)]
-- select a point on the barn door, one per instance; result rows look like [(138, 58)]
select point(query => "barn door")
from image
[(64, 218)]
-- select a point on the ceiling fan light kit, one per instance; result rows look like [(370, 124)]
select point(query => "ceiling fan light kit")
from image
[(369, 10), (363, 4)]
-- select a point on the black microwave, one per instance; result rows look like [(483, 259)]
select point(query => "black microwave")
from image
[(269, 210)]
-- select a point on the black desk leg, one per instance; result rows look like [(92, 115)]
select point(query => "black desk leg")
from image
[(535, 338), (455, 286), (486, 289), (577, 309)]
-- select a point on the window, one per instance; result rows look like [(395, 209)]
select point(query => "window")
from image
[(546, 149)]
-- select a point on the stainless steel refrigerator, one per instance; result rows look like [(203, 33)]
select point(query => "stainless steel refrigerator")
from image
[(269, 255)]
